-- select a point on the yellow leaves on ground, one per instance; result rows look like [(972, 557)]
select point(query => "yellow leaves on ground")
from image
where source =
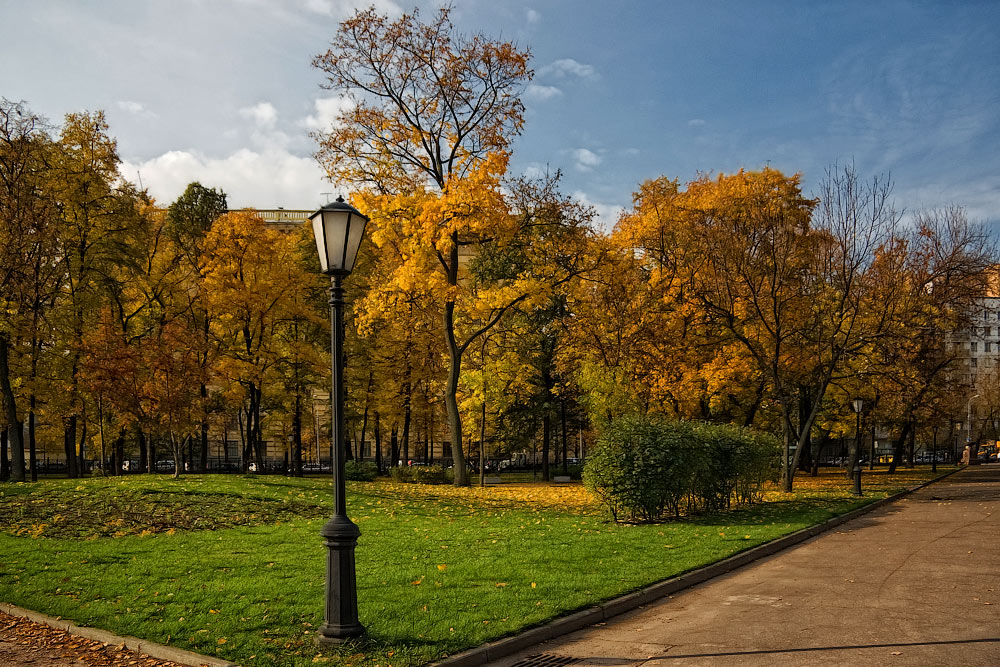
[(835, 481), (570, 498)]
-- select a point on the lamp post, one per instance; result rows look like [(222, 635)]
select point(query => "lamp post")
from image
[(339, 228), (857, 404), (968, 417)]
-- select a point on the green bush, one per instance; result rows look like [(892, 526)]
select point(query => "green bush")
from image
[(645, 468), (422, 474), (360, 471)]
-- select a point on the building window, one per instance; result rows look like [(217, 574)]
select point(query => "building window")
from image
[(975, 362), (973, 346), (988, 331), (987, 347)]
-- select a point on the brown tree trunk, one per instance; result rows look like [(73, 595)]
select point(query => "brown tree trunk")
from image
[(378, 444), (82, 457), (69, 445), (407, 391), (394, 446), (482, 447), (32, 451), (546, 438), (203, 453), (897, 446), (4, 462), (451, 398), (297, 435), (15, 432), (143, 451)]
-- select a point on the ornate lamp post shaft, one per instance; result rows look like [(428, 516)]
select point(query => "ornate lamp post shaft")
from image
[(340, 533)]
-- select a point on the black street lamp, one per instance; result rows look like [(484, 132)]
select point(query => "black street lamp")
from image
[(857, 404), (339, 228)]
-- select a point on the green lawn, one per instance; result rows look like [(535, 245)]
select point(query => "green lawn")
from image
[(233, 566)]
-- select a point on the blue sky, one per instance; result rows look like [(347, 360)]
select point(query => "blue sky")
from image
[(222, 91)]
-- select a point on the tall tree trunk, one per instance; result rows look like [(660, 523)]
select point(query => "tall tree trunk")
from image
[(546, 438), (143, 453), (100, 423), (4, 461), (203, 458), (32, 450), (177, 448), (818, 453), (482, 447), (430, 438), (911, 445), (69, 446), (119, 451), (897, 446), (82, 451), (454, 370), (15, 432), (394, 446), (378, 444), (786, 468), (258, 432), (364, 417), (805, 460), (562, 418), (244, 439), (297, 435), (406, 418), (451, 398)]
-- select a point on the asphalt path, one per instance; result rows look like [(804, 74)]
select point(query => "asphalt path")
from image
[(913, 583)]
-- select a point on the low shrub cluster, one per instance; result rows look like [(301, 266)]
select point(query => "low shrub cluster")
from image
[(422, 474), (646, 468), (360, 471)]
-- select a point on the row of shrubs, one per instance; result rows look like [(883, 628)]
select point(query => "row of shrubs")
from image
[(366, 471), (433, 474), (647, 468)]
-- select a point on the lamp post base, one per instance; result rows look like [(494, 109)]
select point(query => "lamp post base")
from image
[(341, 619)]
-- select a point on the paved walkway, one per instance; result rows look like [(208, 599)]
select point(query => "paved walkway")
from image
[(914, 583)]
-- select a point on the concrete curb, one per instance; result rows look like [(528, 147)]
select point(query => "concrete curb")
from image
[(606, 610), (152, 649)]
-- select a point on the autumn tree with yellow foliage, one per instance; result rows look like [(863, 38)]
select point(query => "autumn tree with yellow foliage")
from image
[(426, 141)]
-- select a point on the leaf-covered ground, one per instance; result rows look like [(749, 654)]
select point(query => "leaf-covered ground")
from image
[(23, 642), (237, 569)]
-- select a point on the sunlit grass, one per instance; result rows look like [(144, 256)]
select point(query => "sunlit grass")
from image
[(236, 569)]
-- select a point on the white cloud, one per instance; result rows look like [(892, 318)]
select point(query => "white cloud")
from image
[(341, 8), (607, 214), (585, 159), (567, 67), (256, 179), (541, 93), (696, 122), (326, 110), (131, 107), (263, 114), (532, 16)]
